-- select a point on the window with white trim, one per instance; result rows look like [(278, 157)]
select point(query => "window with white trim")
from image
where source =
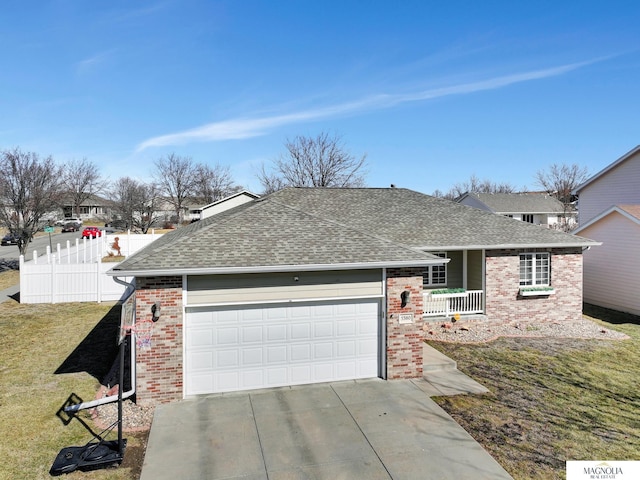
[(435, 275), (527, 217), (535, 269)]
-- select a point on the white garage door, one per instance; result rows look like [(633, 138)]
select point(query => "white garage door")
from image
[(248, 347)]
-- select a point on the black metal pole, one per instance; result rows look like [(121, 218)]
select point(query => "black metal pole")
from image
[(120, 387)]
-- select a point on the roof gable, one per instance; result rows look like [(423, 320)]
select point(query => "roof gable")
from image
[(630, 212), (607, 169), (244, 193)]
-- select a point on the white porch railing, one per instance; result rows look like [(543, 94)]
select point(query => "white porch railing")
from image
[(448, 304)]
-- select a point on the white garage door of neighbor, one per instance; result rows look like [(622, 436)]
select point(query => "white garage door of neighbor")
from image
[(259, 346)]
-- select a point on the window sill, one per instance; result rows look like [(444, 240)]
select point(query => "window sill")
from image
[(537, 293)]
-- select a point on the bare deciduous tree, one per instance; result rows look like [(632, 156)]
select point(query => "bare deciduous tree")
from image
[(175, 176), (476, 185), (321, 161), (29, 189), (81, 180), (213, 183), (560, 180), (136, 203)]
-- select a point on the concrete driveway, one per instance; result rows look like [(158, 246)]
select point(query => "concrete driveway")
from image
[(371, 429)]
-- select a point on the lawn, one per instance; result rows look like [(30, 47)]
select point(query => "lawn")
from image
[(553, 400), (46, 353), (9, 278)]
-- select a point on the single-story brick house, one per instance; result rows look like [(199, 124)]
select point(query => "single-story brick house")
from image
[(312, 284)]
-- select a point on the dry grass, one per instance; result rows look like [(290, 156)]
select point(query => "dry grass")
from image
[(553, 400), (113, 258), (9, 278), (46, 353)]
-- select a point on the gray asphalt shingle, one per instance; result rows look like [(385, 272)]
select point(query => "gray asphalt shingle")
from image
[(315, 226), (519, 202)]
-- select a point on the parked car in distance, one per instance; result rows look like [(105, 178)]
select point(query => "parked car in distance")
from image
[(70, 227), (64, 221), (91, 232), (10, 239)]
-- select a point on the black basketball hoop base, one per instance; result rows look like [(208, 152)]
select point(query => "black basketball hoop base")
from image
[(92, 456)]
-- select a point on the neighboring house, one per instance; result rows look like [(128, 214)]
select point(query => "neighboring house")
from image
[(537, 208), (612, 271), (92, 207), (313, 284), (610, 213), (226, 203)]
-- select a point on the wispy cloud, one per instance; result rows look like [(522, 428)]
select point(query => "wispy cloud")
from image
[(88, 64), (248, 127)]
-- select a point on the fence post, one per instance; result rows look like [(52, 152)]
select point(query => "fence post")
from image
[(53, 282), (21, 273), (98, 280)]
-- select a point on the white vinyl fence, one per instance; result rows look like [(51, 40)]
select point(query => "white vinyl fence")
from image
[(76, 272)]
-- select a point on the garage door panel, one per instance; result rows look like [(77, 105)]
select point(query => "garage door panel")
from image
[(301, 352), (276, 355), (227, 336), (346, 349), (367, 347), (202, 337), (261, 346), (323, 329), (252, 357), (252, 334), (276, 333), (301, 331), (227, 358), (347, 327), (323, 351), (301, 374), (346, 370), (202, 361), (277, 377)]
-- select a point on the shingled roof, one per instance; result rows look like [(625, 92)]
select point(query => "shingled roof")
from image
[(509, 203), (335, 228)]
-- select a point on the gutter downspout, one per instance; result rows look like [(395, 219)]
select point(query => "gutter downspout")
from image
[(112, 398)]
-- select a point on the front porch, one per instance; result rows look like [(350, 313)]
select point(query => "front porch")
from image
[(468, 302), (457, 288)]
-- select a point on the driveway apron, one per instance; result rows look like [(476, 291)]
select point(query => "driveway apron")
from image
[(370, 429)]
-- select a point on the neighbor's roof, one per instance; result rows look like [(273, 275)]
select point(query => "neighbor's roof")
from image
[(509, 203), (631, 212), (245, 193), (608, 168), (320, 227)]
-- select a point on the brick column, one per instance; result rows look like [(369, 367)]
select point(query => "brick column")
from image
[(404, 340), (159, 369)]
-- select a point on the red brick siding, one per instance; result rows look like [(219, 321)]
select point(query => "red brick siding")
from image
[(159, 369), (504, 305), (404, 341)]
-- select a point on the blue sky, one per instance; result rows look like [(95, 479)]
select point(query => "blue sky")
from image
[(431, 91)]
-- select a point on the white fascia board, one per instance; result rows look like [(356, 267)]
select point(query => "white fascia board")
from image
[(509, 246), (276, 268)]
